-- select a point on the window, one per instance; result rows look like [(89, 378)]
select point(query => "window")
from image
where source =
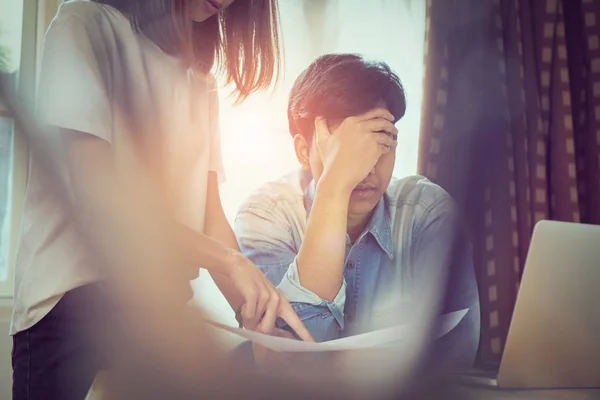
[(10, 55), (256, 144), (18, 28)]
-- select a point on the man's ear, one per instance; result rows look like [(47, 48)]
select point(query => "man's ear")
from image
[(302, 148)]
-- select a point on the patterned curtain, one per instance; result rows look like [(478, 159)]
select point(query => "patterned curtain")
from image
[(511, 128)]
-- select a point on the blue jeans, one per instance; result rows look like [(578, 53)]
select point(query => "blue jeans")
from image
[(59, 356)]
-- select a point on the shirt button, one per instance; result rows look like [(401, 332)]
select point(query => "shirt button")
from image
[(350, 265)]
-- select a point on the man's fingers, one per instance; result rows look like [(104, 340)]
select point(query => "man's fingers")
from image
[(287, 313), (384, 140), (381, 125), (376, 113), (379, 143)]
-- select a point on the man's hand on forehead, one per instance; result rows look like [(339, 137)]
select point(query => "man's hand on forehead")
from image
[(382, 113), (351, 151), (392, 135)]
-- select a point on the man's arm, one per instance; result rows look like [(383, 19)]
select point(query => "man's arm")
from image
[(320, 260), (348, 155)]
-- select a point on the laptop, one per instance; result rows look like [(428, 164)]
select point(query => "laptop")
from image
[(554, 336)]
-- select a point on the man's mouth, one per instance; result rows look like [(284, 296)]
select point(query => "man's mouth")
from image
[(363, 191), (364, 188)]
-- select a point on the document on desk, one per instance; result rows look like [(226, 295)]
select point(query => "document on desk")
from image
[(390, 337)]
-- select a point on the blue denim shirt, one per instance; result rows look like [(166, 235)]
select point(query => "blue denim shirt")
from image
[(412, 238)]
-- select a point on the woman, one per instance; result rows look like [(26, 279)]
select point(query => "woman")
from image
[(130, 115)]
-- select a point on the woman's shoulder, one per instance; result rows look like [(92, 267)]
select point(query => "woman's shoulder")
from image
[(86, 12)]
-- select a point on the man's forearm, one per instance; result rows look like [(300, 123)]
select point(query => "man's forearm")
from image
[(321, 258)]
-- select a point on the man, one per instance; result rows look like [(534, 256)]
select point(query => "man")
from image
[(352, 248)]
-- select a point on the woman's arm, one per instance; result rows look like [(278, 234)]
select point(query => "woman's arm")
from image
[(127, 224), (162, 254), (269, 303), (217, 227)]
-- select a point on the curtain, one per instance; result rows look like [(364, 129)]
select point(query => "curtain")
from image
[(511, 128)]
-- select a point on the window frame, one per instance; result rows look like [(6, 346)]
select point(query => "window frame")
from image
[(35, 20)]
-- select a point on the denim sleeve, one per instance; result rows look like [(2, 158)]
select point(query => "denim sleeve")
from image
[(441, 242), (268, 241)]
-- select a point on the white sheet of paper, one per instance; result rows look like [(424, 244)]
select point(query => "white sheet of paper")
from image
[(383, 337)]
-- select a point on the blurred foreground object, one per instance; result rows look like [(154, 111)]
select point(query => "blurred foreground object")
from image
[(157, 350), (151, 336)]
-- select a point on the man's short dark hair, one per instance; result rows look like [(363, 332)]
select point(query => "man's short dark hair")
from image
[(337, 86)]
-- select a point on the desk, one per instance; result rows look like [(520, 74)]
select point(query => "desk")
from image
[(510, 394)]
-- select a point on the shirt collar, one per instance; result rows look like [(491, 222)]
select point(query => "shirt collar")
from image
[(379, 225)]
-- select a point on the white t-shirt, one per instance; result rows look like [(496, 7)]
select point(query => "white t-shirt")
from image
[(97, 77)]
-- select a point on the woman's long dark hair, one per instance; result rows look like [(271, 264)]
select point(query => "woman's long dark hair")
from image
[(242, 41)]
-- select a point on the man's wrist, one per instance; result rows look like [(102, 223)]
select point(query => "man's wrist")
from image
[(332, 190)]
